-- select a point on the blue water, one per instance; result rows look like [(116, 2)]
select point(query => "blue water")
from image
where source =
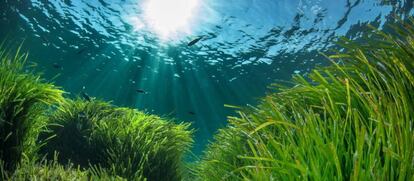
[(111, 48)]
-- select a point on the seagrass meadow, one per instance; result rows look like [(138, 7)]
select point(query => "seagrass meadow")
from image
[(46, 136), (351, 120), (142, 91)]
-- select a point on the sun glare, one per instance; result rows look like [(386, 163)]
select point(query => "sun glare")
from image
[(167, 18)]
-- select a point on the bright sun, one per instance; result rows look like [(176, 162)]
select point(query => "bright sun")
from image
[(167, 18)]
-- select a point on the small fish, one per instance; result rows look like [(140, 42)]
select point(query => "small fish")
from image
[(191, 112), (82, 115), (86, 96), (57, 66), (45, 40), (191, 43), (140, 91), (81, 51)]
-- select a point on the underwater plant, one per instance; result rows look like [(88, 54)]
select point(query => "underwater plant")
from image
[(352, 120), (46, 171), (24, 98), (52, 170), (124, 142)]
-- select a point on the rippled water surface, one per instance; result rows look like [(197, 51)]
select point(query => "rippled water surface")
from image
[(135, 52)]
